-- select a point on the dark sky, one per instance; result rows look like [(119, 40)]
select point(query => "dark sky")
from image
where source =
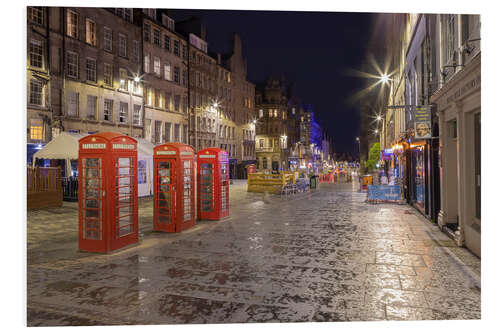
[(312, 49)]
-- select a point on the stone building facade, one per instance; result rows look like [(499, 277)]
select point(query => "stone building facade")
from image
[(271, 128), (38, 84), (458, 102), (96, 55), (165, 79), (242, 94)]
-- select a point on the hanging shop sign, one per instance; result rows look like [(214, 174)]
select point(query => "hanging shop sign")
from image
[(423, 122), (387, 154)]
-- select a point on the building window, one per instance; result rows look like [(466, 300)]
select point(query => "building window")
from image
[(36, 129), (264, 163), (184, 52), (36, 53), (91, 70), (185, 134), (168, 127), (36, 92), (72, 24), (157, 131), (146, 63), (72, 104), (35, 15), (166, 42), (108, 39), (122, 42), (72, 61), (157, 98), (156, 66), (123, 79), (91, 33), (123, 112), (176, 74), (91, 107), (176, 133), (108, 75), (147, 32), (177, 101), (168, 74), (156, 37), (108, 110), (135, 51), (176, 48), (185, 105), (137, 115)]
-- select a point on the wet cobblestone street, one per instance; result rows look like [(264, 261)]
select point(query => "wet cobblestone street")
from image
[(323, 256)]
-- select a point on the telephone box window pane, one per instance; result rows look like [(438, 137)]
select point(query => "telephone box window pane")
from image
[(165, 193), (91, 198), (124, 192), (206, 187), (187, 190), (224, 180)]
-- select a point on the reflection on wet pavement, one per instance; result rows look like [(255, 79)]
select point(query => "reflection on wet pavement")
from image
[(324, 256)]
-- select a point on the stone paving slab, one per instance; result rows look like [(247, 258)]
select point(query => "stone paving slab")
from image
[(322, 256)]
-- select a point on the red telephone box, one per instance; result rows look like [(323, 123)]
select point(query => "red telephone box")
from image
[(173, 187), (213, 184), (107, 192)]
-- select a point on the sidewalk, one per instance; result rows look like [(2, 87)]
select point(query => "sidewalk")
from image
[(322, 256)]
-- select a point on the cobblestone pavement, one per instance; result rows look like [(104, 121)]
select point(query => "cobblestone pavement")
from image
[(323, 256)]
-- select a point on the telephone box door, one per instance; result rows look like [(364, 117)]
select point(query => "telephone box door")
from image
[(186, 215), (125, 201), (164, 210), (224, 193), (207, 187), (92, 197)]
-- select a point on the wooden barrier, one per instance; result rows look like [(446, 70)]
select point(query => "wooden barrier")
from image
[(260, 182), (44, 187)]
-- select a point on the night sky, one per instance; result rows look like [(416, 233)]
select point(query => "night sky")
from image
[(314, 50)]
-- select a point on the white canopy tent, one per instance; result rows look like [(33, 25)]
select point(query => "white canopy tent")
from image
[(65, 147)]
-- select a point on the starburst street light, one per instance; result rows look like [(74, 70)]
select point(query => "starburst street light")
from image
[(384, 78)]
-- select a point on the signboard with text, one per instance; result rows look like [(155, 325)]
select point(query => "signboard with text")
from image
[(422, 122), (384, 193)]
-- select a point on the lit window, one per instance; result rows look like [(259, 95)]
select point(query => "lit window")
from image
[(137, 114), (108, 39), (91, 70), (91, 107), (72, 24), (36, 90), (72, 61), (36, 53), (123, 112), (123, 79), (156, 65), (168, 74), (108, 110), (91, 35), (122, 42), (36, 129)]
